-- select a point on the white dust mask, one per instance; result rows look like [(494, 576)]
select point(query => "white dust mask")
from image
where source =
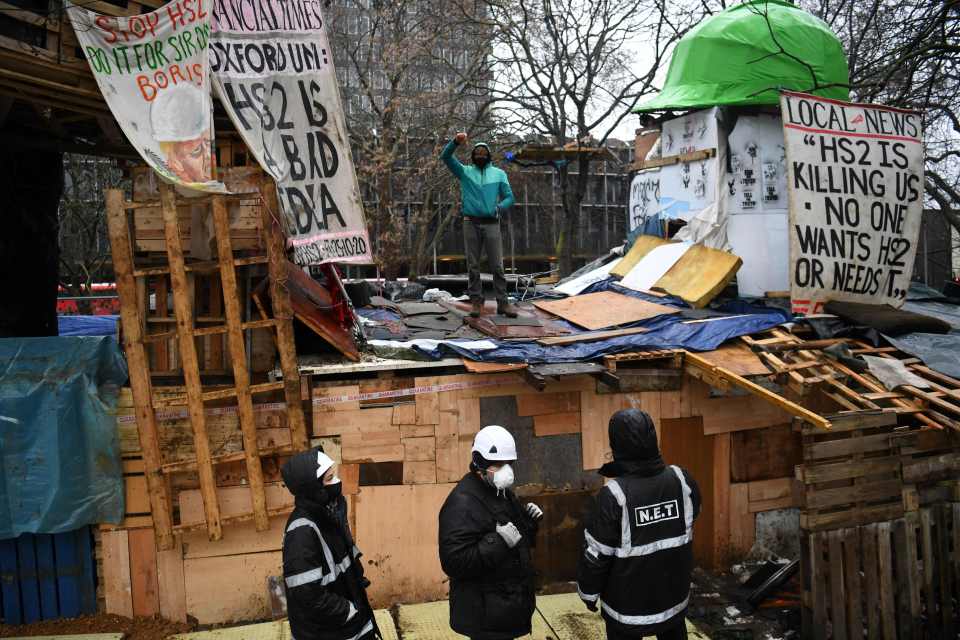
[(503, 478)]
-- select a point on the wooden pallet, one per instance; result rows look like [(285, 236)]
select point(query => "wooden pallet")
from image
[(868, 469), (184, 334), (894, 579)]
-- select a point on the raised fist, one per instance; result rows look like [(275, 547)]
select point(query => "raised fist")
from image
[(460, 138)]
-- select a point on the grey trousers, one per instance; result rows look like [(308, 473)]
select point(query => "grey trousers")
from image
[(478, 236)]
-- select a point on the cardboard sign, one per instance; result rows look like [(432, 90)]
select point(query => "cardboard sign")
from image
[(273, 71), (855, 182), (152, 70)]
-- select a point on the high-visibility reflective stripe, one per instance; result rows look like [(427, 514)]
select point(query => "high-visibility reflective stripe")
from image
[(599, 547), (653, 618), (589, 597), (687, 500), (367, 628), (317, 574), (314, 575), (356, 551), (621, 498)]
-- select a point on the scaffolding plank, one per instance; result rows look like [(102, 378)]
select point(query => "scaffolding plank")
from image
[(183, 310), (139, 368)]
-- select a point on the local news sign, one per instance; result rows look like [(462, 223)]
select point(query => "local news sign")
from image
[(855, 183)]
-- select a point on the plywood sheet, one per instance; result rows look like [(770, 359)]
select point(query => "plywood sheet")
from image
[(641, 247), (427, 404), (327, 423), (420, 472), (734, 413), (238, 538), (239, 582), (544, 403), (764, 454), (554, 424), (604, 309), (736, 358), (417, 430), (173, 597), (405, 413), (595, 413), (144, 585), (116, 572), (743, 523), (419, 449), (700, 275), (401, 560)]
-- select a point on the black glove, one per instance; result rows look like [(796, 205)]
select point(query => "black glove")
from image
[(364, 583), (591, 605)]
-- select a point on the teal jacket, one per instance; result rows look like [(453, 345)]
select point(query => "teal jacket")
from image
[(484, 192)]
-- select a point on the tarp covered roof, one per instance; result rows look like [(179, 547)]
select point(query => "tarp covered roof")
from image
[(747, 53)]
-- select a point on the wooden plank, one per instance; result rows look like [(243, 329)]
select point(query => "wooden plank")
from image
[(887, 586), (350, 477), (743, 522), (849, 518), (823, 498), (372, 446), (170, 582), (851, 577), (604, 309), (136, 496), (926, 549), (402, 561), (474, 366), (240, 582), (590, 336), (764, 454), (46, 575), (234, 501), (139, 368), (832, 471), (818, 585), (237, 539), (838, 448), (721, 498), (737, 413), (903, 569), (838, 595), (555, 424), (116, 573), (273, 237), (322, 392), (419, 449), (450, 467), (427, 404), (469, 411), (910, 583), (544, 403), (417, 430), (767, 495), (594, 420), (871, 579), (420, 472), (327, 423), (942, 552), (238, 361), (183, 310), (405, 413), (144, 585)]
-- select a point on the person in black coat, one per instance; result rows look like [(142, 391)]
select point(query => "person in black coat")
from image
[(485, 540), (322, 572), (637, 556)]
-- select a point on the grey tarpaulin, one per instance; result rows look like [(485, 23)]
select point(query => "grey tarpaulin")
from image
[(893, 373), (940, 352)]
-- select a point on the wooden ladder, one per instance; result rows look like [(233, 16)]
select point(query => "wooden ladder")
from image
[(131, 289)]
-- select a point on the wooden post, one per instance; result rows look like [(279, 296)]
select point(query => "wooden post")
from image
[(139, 368), (183, 310), (238, 357), (273, 237)]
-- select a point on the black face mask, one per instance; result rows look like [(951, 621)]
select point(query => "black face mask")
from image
[(481, 161), (333, 491)]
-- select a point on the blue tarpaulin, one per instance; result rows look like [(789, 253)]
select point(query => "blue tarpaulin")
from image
[(87, 325), (60, 463)]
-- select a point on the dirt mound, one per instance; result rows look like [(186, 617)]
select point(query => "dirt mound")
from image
[(135, 629)]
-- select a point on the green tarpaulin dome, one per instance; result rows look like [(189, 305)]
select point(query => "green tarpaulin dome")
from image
[(731, 58)]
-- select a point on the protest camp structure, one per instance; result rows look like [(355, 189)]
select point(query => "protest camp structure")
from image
[(785, 441)]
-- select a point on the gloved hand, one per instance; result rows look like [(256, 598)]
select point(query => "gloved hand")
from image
[(509, 533), (534, 511), (591, 605), (460, 138), (351, 612)]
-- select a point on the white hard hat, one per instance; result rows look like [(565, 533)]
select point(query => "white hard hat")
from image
[(324, 462), (495, 443), (180, 113)]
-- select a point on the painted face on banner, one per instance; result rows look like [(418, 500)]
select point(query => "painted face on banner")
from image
[(190, 160)]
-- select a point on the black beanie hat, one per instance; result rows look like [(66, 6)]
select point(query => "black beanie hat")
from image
[(633, 436)]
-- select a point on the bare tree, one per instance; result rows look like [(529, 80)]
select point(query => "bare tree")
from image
[(907, 54), (84, 247), (412, 72), (566, 70)]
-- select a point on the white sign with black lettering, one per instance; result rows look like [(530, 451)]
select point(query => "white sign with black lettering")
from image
[(273, 69), (855, 183), (656, 513)]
